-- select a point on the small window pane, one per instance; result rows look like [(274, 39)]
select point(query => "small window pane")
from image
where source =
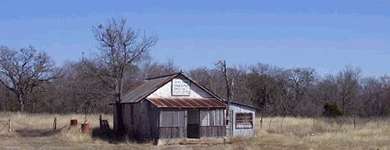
[(204, 118), (244, 120)]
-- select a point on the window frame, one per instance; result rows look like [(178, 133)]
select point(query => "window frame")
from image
[(248, 115)]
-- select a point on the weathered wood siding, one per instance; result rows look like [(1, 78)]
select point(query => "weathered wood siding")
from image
[(212, 131), (173, 124), (242, 109), (166, 92), (114, 118), (212, 117), (212, 123), (141, 120)]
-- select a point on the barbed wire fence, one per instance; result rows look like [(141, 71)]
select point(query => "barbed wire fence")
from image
[(6, 126), (16, 124), (321, 124)]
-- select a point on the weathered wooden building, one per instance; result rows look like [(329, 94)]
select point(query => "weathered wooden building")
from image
[(241, 118), (171, 106)]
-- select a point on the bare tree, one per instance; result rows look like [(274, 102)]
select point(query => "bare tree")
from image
[(348, 85), (300, 80), (221, 65), (121, 47), (24, 70), (260, 89), (202, 76)]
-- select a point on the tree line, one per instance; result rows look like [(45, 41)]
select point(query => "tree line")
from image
[(31, 82)]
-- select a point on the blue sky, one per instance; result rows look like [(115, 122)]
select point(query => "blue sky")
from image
[(325, 35)]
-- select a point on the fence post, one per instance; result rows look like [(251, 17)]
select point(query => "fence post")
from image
[(261, 122), (377, 122), (281, 124), (354, 122), (312, 121), (9, 125), (55, 123), (269, 124), (100, 120)]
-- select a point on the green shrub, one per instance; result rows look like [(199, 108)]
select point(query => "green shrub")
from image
[(331, 110)]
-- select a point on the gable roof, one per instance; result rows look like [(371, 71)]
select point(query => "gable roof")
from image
[(243, 103), (148, 87), (152, 84)]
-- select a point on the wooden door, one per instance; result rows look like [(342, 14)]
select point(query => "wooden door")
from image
[(193, 124)]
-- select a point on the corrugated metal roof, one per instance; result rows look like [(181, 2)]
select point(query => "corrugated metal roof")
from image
[(187, 103)]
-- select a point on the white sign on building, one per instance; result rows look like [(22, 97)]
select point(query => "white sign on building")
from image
[(181, 87)]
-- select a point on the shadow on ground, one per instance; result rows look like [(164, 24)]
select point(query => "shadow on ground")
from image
[(37, 132), (105, 135), (109, 135)]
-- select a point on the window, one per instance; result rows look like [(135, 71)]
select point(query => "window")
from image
[(171, 118), (244, 121), (211, 117)]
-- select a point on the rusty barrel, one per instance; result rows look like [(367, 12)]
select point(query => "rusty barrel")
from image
[(73, 122), (85, 128)]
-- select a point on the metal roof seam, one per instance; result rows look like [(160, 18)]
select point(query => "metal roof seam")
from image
[(186, 103)]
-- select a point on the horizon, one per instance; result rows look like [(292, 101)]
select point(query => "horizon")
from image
[(325, 36)]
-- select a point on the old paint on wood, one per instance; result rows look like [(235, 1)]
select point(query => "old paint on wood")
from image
[(242, 109)]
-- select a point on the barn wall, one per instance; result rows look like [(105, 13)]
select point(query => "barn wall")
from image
[(140, 120), (154, 115), (115, 120), (173, 124), (212, 117), (212, 131), (212, 123), (166, 92), (127, 120), (242, 109), (143, 120)]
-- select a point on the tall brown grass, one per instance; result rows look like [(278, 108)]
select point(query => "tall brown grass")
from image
[(322, 133), (34, 130), (35, 125)]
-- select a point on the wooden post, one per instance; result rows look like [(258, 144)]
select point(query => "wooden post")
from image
[(261, 121), (281, 123), (354, 122), (377, 122), (9, 125), (312, 123), (269, 124), (55, 123), (100, 121)]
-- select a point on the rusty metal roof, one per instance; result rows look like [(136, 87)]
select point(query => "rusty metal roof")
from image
[(187, 103)]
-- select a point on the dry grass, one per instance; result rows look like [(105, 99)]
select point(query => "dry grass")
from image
[(307, 133), (34, 131)]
